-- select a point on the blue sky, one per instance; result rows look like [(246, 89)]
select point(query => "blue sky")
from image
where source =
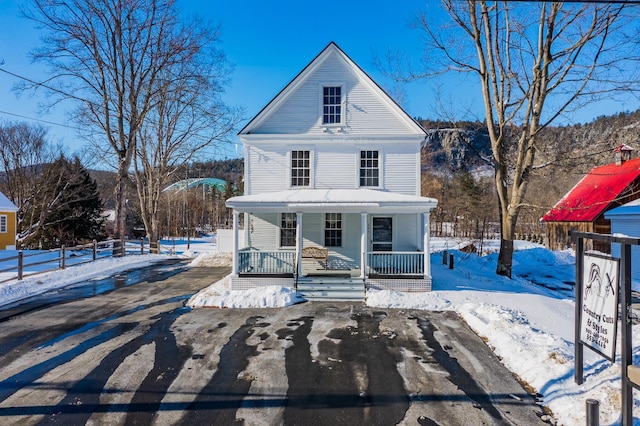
[(268, 42)]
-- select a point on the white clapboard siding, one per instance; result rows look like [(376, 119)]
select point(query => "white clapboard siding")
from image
[(401, 169), (269, 169), (265, 234), (366, 113), (406, 233), (334, 165)]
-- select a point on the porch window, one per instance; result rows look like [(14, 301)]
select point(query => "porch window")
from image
[(3, 223), (288, 230), (332, 105), (369, 168), (333, 230), (300, 168)]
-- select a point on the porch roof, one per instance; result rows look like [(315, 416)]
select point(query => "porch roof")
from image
[(332, 200)]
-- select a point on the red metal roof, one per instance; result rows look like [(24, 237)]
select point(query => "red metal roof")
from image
[(594, 193)]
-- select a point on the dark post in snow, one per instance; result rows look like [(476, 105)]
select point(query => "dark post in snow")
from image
[(20, 264), (626, 334), (451, 261), (578, 348), (62, 256), (593, 412), (95, 249), (444, 257)]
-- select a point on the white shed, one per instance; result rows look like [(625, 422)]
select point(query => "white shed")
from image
[(625, 220)]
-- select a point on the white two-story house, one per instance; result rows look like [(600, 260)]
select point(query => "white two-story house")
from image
[(332, 188)]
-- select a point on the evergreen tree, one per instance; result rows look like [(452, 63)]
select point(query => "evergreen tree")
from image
[(66, 208)]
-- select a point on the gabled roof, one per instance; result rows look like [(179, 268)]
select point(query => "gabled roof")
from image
[(6, 205), (307, 71), (595, 193)]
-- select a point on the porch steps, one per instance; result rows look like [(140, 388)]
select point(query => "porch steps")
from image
[(332, 289)]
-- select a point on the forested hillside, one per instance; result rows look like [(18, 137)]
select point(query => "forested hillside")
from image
[(456, 164)]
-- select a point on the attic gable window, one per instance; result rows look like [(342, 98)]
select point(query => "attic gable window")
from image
[(332, 105)]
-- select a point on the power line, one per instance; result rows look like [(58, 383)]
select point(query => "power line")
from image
[(39, 120)]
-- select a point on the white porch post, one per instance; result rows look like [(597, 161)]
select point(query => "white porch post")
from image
[(426, 245), (299, 243), (236, 216), (363, 245)]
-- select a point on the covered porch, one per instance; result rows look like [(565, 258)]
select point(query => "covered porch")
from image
[(383, 240)]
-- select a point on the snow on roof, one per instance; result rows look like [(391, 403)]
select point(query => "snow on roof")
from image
[(631, 208), (6, 205), (317, 200), (594, 193), (623, 147)]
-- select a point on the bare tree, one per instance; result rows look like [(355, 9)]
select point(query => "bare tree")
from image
[(23, 151), (107, 55), (187, 119), (535, 62)]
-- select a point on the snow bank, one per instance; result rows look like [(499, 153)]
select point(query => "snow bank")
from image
[(218, 296), (212, 259)]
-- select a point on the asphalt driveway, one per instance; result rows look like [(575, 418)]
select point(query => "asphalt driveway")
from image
[(136, 355)]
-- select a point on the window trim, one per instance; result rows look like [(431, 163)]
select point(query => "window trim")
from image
[(343, 103), (337, 229), (4, 227), (280, 229), (359, 167), (290, 163)]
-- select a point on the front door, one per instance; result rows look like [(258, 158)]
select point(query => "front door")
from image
[(381, 235)]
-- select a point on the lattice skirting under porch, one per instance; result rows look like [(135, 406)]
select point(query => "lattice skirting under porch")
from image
[(245, 283), (409, 285)]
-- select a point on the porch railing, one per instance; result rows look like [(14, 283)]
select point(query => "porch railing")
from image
[(395, 263), (266, 262)]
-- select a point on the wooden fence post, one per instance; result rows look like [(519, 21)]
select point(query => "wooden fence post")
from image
[(20, 264), (95, 249), (62, 255)]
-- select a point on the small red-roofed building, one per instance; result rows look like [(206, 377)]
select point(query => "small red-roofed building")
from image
[(583, 208)]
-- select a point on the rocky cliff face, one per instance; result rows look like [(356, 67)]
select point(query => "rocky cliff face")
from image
[(451, 150)]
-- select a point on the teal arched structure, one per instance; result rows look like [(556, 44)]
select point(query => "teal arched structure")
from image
[(205, 183)]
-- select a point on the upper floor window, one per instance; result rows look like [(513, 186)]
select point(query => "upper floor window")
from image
[(332, 105), (288, 230), (333, 230), (300, 168), (3, 223), (369, 168)]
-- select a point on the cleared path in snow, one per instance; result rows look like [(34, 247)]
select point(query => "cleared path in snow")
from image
[(136, 355)]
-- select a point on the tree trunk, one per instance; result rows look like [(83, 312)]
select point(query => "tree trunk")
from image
[(505, 257), (121, 204)]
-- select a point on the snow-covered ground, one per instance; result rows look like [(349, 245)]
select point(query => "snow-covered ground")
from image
[(528, 321)]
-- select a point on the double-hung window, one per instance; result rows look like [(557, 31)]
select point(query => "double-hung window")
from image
[(300, 168), (332, 105), (369, 168), (333, 230), (3, 223), (288, 225)]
